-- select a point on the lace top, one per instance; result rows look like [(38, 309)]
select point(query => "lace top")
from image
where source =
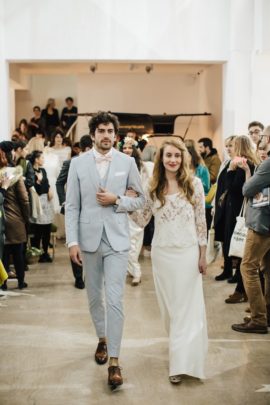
[(177, 223)]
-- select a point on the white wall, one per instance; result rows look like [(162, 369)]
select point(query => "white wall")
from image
[(260, 94), (117, 30), (155, 94), (42, 87)]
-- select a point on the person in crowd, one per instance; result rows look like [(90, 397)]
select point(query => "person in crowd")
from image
[(210, 157), (198, 167), (67, 142), (257, 247), (131, 133), (86, 144), (17, 212), (20, 152), (76, 149), (136, 232), (37, 142), (68, 120), (176, 198), (37, 122), (149, 150), (50, 116), (5, 182), (42, 225), (23, 130), (255, 129), (262, 150), (98, 235), (54, 157), (220, 200), (235, 179)]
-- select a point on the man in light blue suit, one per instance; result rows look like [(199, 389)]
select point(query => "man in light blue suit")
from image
[(97, 232)]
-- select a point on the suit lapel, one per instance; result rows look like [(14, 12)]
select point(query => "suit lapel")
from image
[(92, 168)]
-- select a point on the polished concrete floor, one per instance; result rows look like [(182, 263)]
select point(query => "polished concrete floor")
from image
[(47, 343)]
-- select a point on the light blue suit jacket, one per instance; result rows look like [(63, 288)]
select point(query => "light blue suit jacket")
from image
[(85, 218)]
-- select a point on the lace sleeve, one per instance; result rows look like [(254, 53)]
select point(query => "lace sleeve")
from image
[(143, 216), (199, 210)]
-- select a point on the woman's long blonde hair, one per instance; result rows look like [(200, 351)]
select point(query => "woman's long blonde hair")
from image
[(244, 148), (184, 176)]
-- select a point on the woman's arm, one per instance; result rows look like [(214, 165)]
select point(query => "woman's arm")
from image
[(200, 223)]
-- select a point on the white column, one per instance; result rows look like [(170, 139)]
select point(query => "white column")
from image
[(237, 71), (5, 120)]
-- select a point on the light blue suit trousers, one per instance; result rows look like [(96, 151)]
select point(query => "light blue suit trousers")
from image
[(105, 272)]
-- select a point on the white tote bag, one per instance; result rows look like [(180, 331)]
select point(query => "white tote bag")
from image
[(239, 235)]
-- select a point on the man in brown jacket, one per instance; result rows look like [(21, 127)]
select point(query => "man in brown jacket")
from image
[(210, 157)]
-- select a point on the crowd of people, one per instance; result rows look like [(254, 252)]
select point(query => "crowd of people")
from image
[(167, 197)]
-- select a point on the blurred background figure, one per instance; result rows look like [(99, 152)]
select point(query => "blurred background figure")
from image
[(50, 116)]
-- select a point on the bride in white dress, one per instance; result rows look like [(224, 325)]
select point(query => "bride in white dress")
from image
[(176, 199)]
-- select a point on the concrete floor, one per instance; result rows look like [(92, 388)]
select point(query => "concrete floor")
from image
[(47, 345)]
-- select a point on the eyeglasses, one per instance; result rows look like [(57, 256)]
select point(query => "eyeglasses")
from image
[(256, 131)]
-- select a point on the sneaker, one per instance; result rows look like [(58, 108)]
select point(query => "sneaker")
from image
[(236, 298)]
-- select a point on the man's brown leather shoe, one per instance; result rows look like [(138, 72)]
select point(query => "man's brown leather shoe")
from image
[(249, 327), (101, 355), (114, 376)]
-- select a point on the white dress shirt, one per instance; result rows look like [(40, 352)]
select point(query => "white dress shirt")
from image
[(101, 163)]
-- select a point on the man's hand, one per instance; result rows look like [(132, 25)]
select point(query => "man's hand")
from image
[(105, 198), (75, 254)]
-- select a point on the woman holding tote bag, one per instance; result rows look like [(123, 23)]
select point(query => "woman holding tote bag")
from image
[(235, 179)]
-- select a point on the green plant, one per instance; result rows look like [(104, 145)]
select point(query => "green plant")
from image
[(33, 252)]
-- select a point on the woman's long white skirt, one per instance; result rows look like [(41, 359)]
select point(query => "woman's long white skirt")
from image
[(179, 292)]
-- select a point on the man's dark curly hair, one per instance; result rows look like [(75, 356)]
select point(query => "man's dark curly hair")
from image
[(103, 117)]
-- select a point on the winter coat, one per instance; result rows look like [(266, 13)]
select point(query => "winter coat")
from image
[(17, 211)]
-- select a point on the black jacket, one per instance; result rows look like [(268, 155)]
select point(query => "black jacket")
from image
[(61, 183), (258, 218)]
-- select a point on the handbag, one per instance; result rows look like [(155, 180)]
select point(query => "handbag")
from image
[(213, 247), (211, 194), (238, 239), (3, 273)]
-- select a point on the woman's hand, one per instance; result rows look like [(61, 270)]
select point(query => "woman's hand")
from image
[(39, 177), (6, 181), (202, 260), (202, 264)]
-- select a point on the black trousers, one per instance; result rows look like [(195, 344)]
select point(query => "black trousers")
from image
[(41, 233), (149, 232), (17, 253)]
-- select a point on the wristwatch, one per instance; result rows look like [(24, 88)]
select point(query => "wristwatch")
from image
[(118, 200)]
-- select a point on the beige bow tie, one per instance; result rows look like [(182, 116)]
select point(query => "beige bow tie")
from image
[(104, 158)]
